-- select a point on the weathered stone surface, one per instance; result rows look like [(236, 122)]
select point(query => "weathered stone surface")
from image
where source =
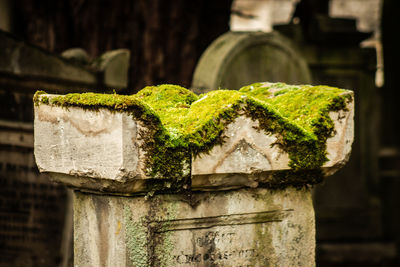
[(249, 227), (339, 145), (75, 143), (245, 150)]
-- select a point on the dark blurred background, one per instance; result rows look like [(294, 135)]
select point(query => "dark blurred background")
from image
[(346, 43)]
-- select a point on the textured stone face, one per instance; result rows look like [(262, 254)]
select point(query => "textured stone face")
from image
[(74, 143), (249, 227), (339, 146), (246, 151)]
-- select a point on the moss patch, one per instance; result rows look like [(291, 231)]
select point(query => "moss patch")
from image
[(181, 124), (167, 100)]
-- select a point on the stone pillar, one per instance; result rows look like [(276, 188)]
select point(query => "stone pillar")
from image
[(168, 178)]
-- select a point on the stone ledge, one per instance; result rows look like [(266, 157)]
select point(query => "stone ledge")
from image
[(167, 138)]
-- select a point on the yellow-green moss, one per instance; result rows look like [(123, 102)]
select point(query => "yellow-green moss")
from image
[(302, 105), (167, 100), (182, 124), (36, 98)]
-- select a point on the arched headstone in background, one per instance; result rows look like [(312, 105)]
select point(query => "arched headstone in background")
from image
[(236, 59)]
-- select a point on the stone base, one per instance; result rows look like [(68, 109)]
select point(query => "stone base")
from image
[(246, 227)]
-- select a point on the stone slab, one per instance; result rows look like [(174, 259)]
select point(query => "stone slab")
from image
[(103, 150)]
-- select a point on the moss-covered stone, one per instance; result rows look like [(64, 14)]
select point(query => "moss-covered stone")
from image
[(182, 124)]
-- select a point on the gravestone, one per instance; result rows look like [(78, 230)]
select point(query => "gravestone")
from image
[(239, 58), (168, 178)]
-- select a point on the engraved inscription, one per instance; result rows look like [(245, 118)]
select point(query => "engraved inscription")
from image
[(220, 246), (216, 256), (214, 237), (226, 240)]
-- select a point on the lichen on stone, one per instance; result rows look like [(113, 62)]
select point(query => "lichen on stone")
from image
[(136, 239), (182, 124), (164, 244)]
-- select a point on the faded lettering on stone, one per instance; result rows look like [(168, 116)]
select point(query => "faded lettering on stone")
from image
[(213, 238), (218, 256), (215, 246), (206, 241)]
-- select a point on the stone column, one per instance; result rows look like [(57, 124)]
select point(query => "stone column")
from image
[(167, 178)]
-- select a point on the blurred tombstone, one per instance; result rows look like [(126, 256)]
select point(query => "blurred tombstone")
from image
[(239, 58), (35, 214)]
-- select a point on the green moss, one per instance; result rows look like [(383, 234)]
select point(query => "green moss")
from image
[(207, 118), (170, 102), (181, 124), (256, 89), (36, 98), (305, 105)]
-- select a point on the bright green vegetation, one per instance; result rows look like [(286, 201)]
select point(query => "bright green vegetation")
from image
[(182, 124), (302, 105)]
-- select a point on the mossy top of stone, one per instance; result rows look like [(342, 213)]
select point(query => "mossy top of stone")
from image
[(184, 124)]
